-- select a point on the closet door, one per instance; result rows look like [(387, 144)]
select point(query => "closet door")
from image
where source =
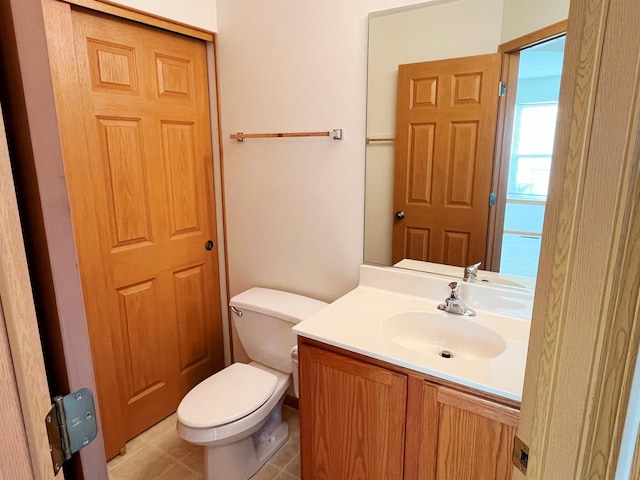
[(140, 183)]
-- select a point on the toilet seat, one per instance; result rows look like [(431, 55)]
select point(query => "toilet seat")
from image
[(226, 396)]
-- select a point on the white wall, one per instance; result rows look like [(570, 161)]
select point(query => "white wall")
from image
[(470, 27), (521, 17), (295, 207), (197, 13)]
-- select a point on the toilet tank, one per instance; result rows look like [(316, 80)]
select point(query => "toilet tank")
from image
[(264, 318)]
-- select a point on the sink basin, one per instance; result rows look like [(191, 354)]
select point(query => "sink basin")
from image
[(435, 332)]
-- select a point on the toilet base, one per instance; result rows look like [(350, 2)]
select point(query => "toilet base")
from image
[(241, 459)]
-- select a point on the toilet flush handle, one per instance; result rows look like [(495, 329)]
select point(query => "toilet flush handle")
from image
[(236, 311)]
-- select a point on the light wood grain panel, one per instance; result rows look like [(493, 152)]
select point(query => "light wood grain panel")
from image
[(429, 424), (472, 446), (490, 410), (15, 460), (175, 76), (467, 89), (584, 337), (418, 242), (456, 247), (420, 178), (183, 177), (113, 67), (189, 287), (618, 339), (22, 358), (424, 92), (337, 391), (126, 174), (462, 160), (142, 339)]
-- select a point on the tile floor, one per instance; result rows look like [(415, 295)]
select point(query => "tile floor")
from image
[(159, 454)]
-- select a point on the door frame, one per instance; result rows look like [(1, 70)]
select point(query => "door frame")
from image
[(25, 391), (585, 330), (36, 55), (506, 117)]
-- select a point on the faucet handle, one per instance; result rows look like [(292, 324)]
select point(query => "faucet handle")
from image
[(455, 288)]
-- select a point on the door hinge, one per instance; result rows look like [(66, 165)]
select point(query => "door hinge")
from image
[(502, 89), (71, 425), (520, 455), (492, 199)]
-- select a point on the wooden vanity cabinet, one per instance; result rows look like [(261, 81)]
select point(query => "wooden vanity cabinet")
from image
[(455, 435), (360, 420), (354, 417)]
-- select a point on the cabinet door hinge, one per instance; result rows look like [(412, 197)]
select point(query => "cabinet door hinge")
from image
[(502, 89), (71, 425), (520, 455)]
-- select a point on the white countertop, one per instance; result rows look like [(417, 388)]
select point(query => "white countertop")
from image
[(354, 322)]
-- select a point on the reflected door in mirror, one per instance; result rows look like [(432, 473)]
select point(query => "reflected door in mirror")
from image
[(445, 135)]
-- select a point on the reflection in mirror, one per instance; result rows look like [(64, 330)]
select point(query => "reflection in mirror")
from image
[(415, 35), (535, 111)]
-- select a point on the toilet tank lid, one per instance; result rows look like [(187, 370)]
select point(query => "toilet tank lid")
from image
[(276, 303)]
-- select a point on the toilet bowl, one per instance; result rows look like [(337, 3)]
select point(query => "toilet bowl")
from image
[(236, 414)]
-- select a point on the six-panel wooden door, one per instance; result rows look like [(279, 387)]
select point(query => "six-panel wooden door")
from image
[(142, 204), (445, 136)]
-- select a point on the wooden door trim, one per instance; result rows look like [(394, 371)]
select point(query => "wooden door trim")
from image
[(219, 192), (21, 324), (129, 13), (504, 138), (504, 132), (479, 406), (586, 327), (534, 38)]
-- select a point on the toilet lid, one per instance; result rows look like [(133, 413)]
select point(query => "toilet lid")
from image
[(226, 396)]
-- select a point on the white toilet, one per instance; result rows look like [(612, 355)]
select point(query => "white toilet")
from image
[(236, 414)]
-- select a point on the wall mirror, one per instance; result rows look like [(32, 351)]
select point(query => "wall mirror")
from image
[(425, 164)]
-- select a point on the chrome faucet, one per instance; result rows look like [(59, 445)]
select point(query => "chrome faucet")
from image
[(454, 304), (471, 272)]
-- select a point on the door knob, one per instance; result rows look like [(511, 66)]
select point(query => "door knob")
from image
[(208, 245), (399, 215)]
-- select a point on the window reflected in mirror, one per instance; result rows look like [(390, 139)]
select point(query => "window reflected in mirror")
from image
[(536, 109)]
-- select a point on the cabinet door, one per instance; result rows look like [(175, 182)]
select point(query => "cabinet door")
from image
[(352, 418), (475, 437)]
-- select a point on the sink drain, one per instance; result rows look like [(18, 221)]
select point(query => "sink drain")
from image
[(446, 354)]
